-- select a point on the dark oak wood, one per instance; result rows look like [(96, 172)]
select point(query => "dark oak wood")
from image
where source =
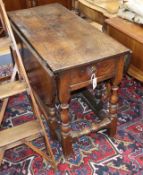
[(12, 5), (63, 52), (66, 3), (15, 4), (131, 35)]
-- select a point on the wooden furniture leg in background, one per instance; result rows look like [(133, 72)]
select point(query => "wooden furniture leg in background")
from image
[(31, 3), (98, 96), (95, 103)]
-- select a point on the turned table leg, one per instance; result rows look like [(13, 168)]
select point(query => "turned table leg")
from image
[(98, 98), (114, 96), (113, 110), (64, 97), (52, 122), (95, 103)]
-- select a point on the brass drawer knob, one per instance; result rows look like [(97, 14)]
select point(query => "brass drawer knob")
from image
[(91, 70)]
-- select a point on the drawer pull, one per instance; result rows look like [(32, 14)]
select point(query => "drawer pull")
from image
[(93, 69)]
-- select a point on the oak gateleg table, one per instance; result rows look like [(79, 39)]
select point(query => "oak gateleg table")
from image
[(61, 53)]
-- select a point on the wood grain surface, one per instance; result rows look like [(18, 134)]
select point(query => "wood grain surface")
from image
[(62, 39)]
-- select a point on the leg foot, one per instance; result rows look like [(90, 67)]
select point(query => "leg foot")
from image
[(65, 131)]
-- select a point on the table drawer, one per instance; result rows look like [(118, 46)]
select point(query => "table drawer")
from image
[(106, 68), (81, 77)]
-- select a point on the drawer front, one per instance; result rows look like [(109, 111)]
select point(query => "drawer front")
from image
[(81, 77), (106, 68)]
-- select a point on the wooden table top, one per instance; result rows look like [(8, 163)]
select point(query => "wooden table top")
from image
[(62, 39), (131, 29)]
